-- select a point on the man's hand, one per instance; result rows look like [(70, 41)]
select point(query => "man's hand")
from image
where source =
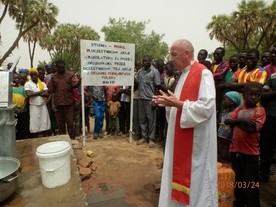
[(153, 104), (54, 108), (167, 99)]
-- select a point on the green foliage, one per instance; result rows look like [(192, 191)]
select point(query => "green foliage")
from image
[(41, 64), (47, 12), (134, 32), (230, 50), (64, 43), (30, 17), (252, 25)]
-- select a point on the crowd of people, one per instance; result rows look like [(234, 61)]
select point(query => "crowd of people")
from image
[(230, 103), (241, 94)]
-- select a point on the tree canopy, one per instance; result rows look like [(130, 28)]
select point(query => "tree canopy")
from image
[(125, 31), (64, 43), (253, 25)]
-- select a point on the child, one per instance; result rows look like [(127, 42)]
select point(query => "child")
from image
[(230, 101), (247, 121), (113, 111)]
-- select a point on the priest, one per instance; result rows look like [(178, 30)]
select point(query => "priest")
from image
[(189, 176)]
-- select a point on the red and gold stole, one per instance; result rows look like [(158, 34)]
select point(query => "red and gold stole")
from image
[(183, 140)]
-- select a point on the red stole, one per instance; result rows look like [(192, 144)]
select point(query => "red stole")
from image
[(183, 140)]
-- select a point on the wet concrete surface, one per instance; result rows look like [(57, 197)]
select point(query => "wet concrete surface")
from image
[(31, 192)]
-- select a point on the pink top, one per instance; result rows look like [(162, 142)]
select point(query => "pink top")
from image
[(270, 69)]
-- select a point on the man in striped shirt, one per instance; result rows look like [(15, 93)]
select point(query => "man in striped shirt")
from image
[(250, 73)]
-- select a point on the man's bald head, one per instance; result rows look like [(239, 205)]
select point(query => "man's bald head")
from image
[(182, 53), (186, 45)]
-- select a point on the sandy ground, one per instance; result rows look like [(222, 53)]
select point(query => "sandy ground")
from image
[(121, 164), (136, 169)]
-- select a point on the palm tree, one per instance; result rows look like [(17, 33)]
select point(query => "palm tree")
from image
[(12, 7), (47, 13), (252, 25), (26, 16), (268, 26), (248, 18), (221, 29)]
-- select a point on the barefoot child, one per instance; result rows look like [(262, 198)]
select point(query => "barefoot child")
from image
[(113, 111)]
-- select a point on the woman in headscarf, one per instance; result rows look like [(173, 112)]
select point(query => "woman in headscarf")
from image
[(37, 92)]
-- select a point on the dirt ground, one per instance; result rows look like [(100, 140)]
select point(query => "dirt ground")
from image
[(121, 164), (136, 169)]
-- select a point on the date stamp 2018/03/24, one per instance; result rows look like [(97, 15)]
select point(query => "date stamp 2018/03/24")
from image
[(238, 184)]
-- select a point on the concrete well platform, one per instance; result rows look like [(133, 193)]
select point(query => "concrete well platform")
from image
[(31, 192)]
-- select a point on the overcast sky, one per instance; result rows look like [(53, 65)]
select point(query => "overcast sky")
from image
[(175, 19)]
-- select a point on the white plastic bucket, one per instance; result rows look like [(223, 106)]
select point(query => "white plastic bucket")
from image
[(54, 163)]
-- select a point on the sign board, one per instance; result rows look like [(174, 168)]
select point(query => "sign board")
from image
[(107, 63)]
